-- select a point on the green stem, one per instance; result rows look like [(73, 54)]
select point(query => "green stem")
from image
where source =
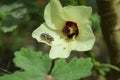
[(52, 66), (95, 62), (5, 70)]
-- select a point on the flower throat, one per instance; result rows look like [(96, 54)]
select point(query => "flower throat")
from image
[(70, 29)]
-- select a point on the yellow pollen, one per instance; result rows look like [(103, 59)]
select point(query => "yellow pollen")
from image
[(71, 30)]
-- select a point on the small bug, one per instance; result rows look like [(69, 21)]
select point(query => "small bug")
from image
[(47, 37)]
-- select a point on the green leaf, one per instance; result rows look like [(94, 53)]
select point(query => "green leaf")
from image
[(33, 62), (11, 15), (22, 76), (76, 69), (9, 24), (35, 66), (9, 29), (8, 9), (15, 76)]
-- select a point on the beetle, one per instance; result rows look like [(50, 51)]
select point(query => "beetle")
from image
[(46, 37)]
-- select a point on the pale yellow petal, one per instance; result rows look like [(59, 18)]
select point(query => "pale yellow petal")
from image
[(79, 14), (86, 39), (44, 29), (60, 51), (53, 15)]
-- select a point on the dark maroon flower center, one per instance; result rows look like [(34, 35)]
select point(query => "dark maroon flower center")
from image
[(70, 29)]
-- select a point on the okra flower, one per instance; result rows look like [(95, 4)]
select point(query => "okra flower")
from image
[(65, 29)]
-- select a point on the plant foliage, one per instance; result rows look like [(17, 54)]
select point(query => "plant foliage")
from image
[(35, 66)]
